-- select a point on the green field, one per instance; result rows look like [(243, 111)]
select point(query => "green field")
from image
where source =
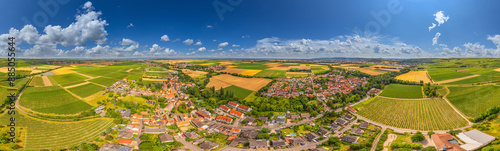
[(57, 135), (72, 83), (477, 79), (254, 65), (239, 92), (104, 81), (474, 100), (423, 114), (86, 90), (37, 81), (51, 99), (402, 91), (440, 74), (19, 83), (66, 78), (271, 73)]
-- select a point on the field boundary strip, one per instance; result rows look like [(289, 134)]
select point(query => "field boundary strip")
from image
[(76, 85), (457, 79)]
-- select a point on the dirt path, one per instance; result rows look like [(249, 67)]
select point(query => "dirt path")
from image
[(390, 138), (46, 81), (497, 70), (85, 75), (129, 70), (72, 86), (457, 79), (80, 98)]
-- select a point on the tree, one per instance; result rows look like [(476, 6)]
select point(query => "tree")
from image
[(417, 137), (430, 133)]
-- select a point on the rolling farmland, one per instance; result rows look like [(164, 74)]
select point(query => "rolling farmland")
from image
[(66, 78), (474, 100), (225, 80), (103, 81), (402, 91), (51, 99), (51, 135), (422, 114), (86, 90)]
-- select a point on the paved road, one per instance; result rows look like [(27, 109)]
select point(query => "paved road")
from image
[(187, 144), (374, 146)]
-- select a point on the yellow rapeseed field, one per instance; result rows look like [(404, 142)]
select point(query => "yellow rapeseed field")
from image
[(249, 72)]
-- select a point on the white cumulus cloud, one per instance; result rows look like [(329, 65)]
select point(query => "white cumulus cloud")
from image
[(224, 44), (164, 38), (188, 41), (435, 39)]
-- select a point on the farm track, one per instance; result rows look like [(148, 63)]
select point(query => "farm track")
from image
[(76, 85), (46, 81), (457, 79)]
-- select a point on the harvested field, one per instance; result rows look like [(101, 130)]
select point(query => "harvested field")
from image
[(63, 70), (226, 80), (193, 74), (457, 79), (369, 71), (232, 70), (36, 71), (46, 81), (415, 76), (249, 72)]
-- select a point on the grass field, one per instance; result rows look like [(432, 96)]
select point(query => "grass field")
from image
[(86, 90), (104, 81), (239, 92), (477, 79), (402, 91), (57, 135), (439, 74), (423, 114), (51, 99), (66, 78), (19, 83), (474, 100), (271, 73), (37, 81)]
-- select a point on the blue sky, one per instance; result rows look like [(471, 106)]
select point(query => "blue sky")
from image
[(252, 29)]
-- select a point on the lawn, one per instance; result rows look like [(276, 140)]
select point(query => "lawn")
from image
[(52, 99), (474, 100), (104, 81), (253, 65), (271, 73), (57, 135), (66, 78), (86, 90), (423, 114), (402, 91), (239, 92)]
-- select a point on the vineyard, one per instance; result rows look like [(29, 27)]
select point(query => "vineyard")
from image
[(417, 114), (57, 135)]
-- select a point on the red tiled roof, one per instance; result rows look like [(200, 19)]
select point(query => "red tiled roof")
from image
[(224, 118), (236, 113), (124, 141)]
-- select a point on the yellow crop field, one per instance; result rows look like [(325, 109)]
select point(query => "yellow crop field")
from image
[(416, 76), (193, 74), (249, 72), (226, 80), (232, 70), (64, 70)]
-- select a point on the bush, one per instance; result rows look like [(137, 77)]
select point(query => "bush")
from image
[(417, 137)]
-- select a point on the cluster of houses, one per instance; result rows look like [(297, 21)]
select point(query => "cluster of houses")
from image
[(171, 90), (293, 87)]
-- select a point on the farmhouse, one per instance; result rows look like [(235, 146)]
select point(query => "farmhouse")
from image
[(474, 139), (446, 142), (256, 144), (166, 138)]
